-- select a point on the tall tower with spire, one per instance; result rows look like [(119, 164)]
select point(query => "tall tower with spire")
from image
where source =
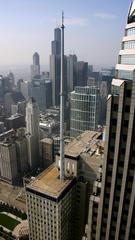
[(112, 205), (51, 197)]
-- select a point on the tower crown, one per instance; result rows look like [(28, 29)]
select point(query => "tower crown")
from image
[(131, 14)]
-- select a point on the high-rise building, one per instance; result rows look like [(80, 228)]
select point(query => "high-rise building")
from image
[(8, 162), (35, 68), (56, 44), (32, 130), (38, 92), (50, 204), (55, 67), (71, 60), (80, 73), (84, 103), (46, 152), (112, 215)]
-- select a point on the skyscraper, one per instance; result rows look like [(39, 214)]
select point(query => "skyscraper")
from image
[(35, 68), (56, 44), (84, 103), (32, 130), (71, 60), (112, 215), (55, 67), (80, 73)]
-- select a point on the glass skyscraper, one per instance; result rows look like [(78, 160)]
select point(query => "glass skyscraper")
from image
[(84, 110)]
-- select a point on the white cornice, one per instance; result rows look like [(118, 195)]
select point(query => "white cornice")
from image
[(125, 67), (128, 38), (127, 51)]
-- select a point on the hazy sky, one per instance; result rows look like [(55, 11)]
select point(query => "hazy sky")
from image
[(94, 29)]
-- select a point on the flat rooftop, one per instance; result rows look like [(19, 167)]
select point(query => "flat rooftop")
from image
[(48, 183), (83, 143)]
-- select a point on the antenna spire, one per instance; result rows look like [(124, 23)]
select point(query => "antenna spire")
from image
[(62, 164)]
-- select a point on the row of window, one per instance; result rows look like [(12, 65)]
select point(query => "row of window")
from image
[(125, 75), (128, 44), (130, 32), (127, 59)]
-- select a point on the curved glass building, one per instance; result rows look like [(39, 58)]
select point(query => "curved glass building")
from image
[(126, 61)]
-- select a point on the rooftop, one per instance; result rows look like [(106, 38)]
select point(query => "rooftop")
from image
[(83, 143), (48, 182)]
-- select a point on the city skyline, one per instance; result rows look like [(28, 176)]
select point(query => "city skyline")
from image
[(24, 28)]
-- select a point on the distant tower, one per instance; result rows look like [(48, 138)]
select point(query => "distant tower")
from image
[(35, 68), (71, 60), (55, 66), (32, 130)]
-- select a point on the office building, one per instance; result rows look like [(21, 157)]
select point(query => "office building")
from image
[(24, 87), (14, 122), (12, 98), (84, 102), (105, 90), (54, 200), (71, 60), (38, 92), (83, 157), (21, 152), (80, 73), (46, 152), (32, 131), (35, 68), (8, 162), (55, 66), (113, 213)]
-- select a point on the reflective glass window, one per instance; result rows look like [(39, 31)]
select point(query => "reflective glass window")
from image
[(127, 59), (123, 74), (128, 45), (130, 31)]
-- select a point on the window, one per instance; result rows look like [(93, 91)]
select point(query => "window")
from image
[(127, 59), (128, 44), (130, 31), (123, 74)]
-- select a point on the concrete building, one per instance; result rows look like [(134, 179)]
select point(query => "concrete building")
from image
[(46, 152), (21, 152), (55, 201), (12, 98), (32, 131), (14, 156), (115, 218), (83, 156), (49, 124), (38, 92), (35, 68), (25, 88), (8, 162), (84, 109), (15, 121)]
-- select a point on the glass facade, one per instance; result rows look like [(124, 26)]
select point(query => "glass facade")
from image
[(127, 59), (84, 110), (123, 74), (130, 32), (128, 45)]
